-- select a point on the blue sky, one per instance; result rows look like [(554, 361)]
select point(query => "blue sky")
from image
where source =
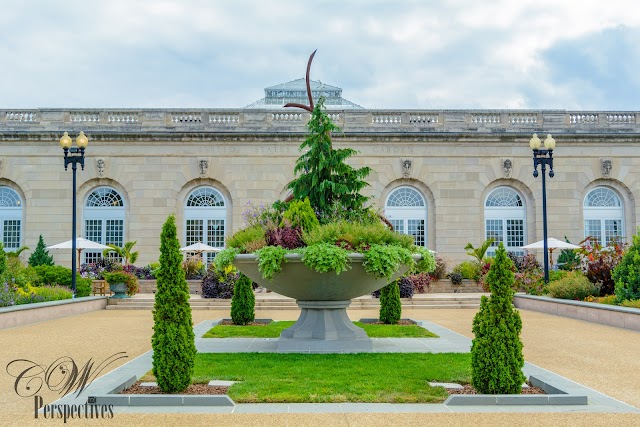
[(576, 55)]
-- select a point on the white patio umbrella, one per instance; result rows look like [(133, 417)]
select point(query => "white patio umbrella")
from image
[(81, 244), (199, 248), (551, 245)]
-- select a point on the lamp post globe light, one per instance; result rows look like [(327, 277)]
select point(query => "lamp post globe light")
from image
[(73, 156), (543, 157)]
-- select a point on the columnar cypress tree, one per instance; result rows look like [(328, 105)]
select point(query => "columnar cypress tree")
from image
[(496, 352), (41, 255), (390, 306), (243, 302), (173, 340)]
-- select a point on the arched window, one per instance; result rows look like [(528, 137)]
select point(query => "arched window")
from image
[(205, 215), (603, 215), (103, 220), (10, 219), (504, 219), (406, 208)]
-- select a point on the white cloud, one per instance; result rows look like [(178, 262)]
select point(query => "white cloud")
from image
[(404, 54)]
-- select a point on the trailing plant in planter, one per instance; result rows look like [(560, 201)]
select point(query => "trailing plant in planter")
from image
[(123, 277)]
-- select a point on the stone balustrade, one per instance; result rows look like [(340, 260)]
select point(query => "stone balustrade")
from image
[(367, 121)]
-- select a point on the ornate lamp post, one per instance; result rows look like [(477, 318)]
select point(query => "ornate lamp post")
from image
[(73, 156), (543, 157)]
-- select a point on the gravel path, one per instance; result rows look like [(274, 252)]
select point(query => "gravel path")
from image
[(601, 357)]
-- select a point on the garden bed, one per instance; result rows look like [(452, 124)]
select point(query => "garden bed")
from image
[(406, 329), (621, 317)]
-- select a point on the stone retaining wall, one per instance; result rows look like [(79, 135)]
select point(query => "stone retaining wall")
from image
[(11, 317), (149, 286), (621, 317)]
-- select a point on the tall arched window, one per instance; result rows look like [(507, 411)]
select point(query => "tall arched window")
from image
[(103, 220), (504, 219), (10, 219), (603, 215), (406, 208), (205, 215)]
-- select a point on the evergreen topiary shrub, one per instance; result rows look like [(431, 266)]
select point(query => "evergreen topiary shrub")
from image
[(390, 306), (496, 352), (173, 340), (40, 256), (243, 302), (627, 273)]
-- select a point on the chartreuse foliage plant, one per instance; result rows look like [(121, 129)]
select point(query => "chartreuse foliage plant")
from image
[(243, 302), (627, 273), (324, 177), (496, 352), (40, 255), (301, 214), (173, 340)]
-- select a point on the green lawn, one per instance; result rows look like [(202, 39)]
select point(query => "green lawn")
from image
[(362, 377), (273, 330)]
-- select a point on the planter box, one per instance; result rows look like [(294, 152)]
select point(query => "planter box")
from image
[(621, 317), (18, 315)]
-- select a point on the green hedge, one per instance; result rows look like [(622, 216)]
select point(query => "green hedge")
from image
[(52, 275)]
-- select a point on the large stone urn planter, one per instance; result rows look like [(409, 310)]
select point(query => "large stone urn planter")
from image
[(119, 290), (323, 325)]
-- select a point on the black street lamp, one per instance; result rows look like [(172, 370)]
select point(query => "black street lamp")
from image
[(543, 157), (73, 156)]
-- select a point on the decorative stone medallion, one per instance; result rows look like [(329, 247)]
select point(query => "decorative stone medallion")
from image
[(203, 167), (507, 167), (605, 166), (101, 166), (406, 168)]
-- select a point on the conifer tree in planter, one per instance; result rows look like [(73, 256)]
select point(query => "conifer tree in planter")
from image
[(40, 255), (325, 178), (243, 302), (496, 352), (173, 339)]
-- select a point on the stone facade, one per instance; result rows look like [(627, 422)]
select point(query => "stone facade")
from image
[(155, 158)]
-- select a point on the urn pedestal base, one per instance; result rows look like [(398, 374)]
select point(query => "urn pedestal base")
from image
[(324, 327)]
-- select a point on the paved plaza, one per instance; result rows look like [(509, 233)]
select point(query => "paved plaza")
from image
[(600, 357)]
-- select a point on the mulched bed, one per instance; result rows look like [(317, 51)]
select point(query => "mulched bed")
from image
[(468, 389), (192, 389), (196, 389), (400, 322)]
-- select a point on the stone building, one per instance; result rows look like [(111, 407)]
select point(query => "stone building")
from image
[(446, 176)]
